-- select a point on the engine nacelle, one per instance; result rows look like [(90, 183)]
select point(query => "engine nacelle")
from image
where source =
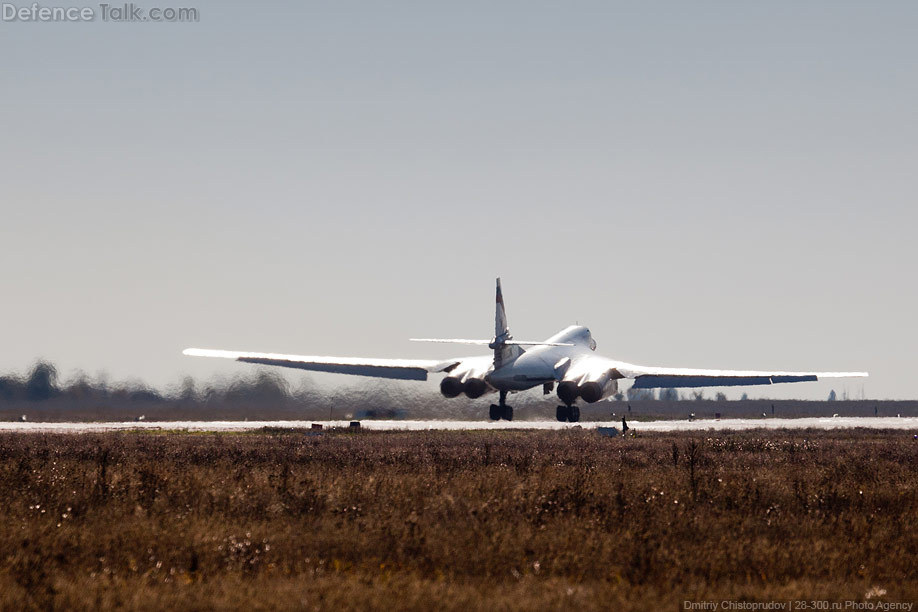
[(598, 388), (568, 391), (475, 388), (590, 390), (451, 386)]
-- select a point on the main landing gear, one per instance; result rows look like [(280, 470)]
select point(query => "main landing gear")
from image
[(568, 413), (501, 410)]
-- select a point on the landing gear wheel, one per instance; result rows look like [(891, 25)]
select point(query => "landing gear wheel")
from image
[(574, 415), (562, 413), (501, 410)]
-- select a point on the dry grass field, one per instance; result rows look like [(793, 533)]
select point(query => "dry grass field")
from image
[(455, 520)]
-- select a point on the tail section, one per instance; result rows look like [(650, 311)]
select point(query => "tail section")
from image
[(504, 352), (506, 349), (501, 329)]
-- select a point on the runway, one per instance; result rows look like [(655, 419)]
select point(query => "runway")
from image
[(908, 424)]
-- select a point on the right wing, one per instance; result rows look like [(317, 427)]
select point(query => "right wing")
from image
[(594, 367), (649, 377), (403, 369)]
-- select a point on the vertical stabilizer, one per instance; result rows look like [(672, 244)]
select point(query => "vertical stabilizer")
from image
[(502, 352), (501, 329)]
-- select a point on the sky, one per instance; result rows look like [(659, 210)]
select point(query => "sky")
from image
[(703, 184)]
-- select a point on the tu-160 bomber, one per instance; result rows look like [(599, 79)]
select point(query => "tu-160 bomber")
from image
[(566, 362)]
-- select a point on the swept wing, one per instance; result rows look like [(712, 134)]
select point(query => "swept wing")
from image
[(648, 377), (404, 369)]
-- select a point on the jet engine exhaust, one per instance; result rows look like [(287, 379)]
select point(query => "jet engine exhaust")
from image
[(475, 387), (591, 392), (451, 386), (568, 391)]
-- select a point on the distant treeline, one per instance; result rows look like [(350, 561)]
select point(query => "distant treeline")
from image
[(263, 394), (260, 393), (42, 384)]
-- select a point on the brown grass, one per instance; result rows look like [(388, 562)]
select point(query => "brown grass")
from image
[(454, 520)]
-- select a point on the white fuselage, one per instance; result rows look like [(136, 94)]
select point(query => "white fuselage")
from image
[(543, 364)]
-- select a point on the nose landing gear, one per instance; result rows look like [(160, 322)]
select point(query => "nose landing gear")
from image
[(567, 413), (501, 410)]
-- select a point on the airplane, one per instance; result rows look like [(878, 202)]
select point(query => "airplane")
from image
[(566, 361)]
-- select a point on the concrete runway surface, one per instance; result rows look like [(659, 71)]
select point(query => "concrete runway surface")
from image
[(909, 424)]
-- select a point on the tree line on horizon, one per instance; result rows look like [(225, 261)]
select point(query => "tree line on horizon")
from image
[(43, 383)]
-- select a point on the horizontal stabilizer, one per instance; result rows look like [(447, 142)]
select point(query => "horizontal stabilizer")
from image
[(452, 341), (489, 342)]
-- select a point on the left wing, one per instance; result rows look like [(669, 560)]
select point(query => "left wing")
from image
[(404, 369), (648, 377)]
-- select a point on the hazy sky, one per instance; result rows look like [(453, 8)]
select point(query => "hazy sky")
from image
[(704, 184)]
